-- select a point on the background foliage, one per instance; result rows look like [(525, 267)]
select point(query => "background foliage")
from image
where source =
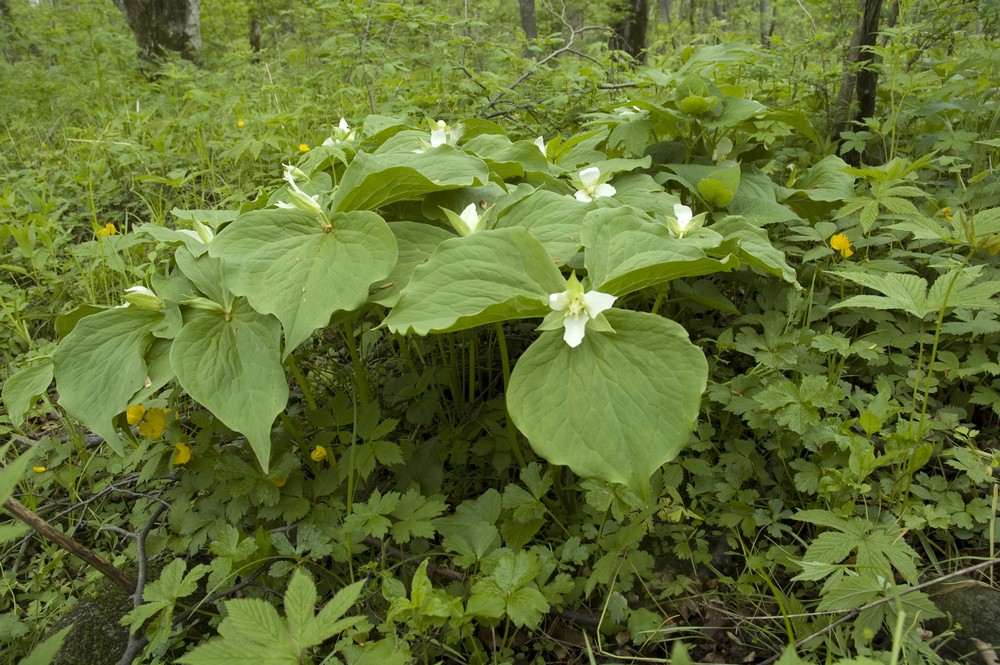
[(844, 452)]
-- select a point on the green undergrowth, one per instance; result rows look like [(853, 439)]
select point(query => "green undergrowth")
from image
[(622, 363)]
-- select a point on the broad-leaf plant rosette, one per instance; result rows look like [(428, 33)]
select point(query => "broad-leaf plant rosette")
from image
[(445, 230)]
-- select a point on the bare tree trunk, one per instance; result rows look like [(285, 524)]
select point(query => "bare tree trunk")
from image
[(666, 11), (629, 33), (768, 20), (859, 77), (529, 22), (163, 25)]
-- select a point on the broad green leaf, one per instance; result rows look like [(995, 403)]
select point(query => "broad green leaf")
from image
[(554, 219), (618, 406), (505, 159), (372, 181), (415, 242), (286, 263), (231, 364), (719, 187), (625, 253), (23, 387), (488, 276), (640, 191), (754, 247), (756, 200), (827, 181), (101, 364), (174, 238), (207, 274)]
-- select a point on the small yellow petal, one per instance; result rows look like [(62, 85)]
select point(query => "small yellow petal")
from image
[(107, 230), (842, 244), (182, 454), (38, 469), (240, 123), (304, 147), (154, 423), (134, 414), (318, 454)]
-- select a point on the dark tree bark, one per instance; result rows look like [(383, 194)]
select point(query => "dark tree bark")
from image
[(255, 35), (860, 78), (630, 33), (163, 25), (529, 22), (768, 20)]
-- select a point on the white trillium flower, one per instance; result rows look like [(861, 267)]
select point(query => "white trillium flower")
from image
[(201, 233), (684, 220), (540, 142), (300, 199), (579, 309), (592, 187), (343, 134), (445, 134), (471, 217), (142, 297)]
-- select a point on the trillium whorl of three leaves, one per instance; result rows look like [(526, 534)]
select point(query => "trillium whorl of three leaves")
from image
[(630, 253), (287, 264), (486, 277), (618, 406)]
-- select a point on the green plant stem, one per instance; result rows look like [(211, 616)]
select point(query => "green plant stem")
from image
[(293, 367), (515, 445), (359, 370)]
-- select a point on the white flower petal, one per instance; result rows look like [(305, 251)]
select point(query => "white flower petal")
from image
[(344, 127), (471, 217), (559, 301), (683, 214), (604, 190), (576, 327), (590, 176), (438, 137), (597, 302), (540, 142), (583, 196)]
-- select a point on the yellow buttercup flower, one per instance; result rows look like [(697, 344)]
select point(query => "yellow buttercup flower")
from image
[(153, 424), (240, 123), (841, 244), (303, 147), (107, 230), (946, 213), (38, 469), (279, 482), (318, 454), (182, 454), (134, 414)]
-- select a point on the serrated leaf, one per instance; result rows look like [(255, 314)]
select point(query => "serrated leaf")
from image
[(646, 372), (233, 368), (300, 607)]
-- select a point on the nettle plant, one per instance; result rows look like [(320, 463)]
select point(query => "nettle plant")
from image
[(445, 230)]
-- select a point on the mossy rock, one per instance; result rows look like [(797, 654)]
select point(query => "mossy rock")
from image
[(95, 638), (974, 610)]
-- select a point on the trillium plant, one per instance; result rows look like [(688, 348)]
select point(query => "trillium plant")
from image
[(428, 238)]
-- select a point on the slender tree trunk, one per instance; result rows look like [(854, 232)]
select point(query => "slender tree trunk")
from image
[(859, 77), (529, 22), (630, 32), (666, 11), (163, 25)]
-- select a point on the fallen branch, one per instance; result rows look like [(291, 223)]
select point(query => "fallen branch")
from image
[(88, 556)]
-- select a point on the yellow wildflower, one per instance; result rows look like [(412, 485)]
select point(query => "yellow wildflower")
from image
[(107, 230), (38, 469), (946, 213), (134, 414), (303, 147), (182, 453), (154, 423), (318, 454), (240, 123), (279, 482), (840, 243)]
